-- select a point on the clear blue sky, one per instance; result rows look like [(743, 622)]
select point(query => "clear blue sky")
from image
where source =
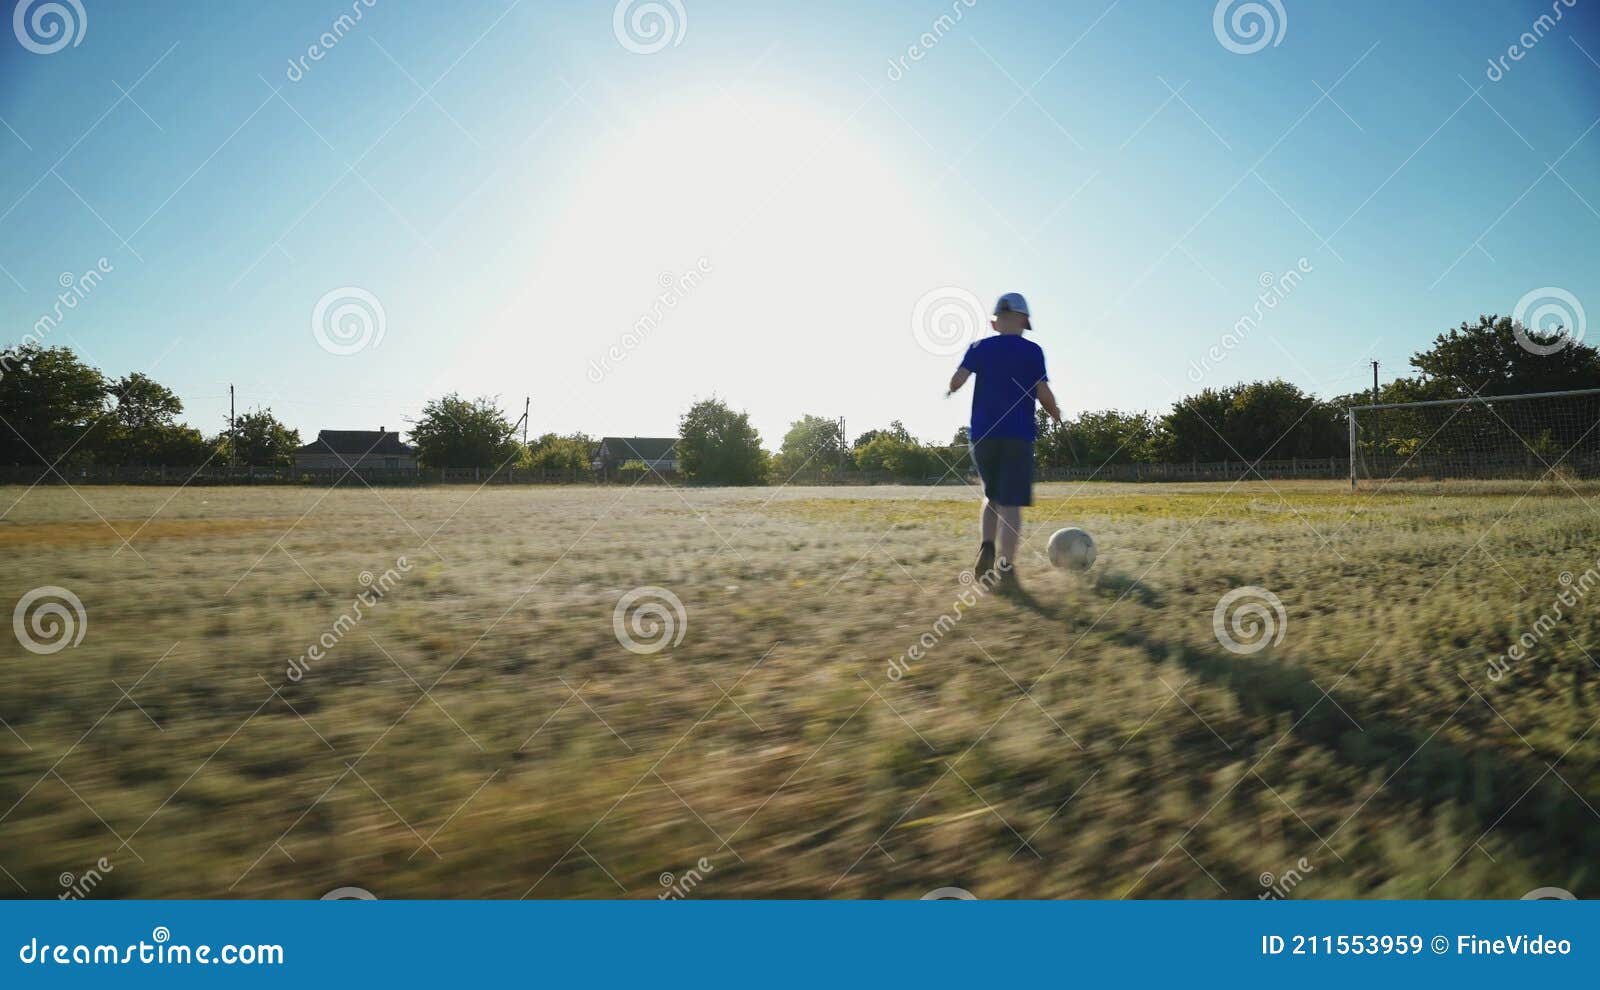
[(513, 185)]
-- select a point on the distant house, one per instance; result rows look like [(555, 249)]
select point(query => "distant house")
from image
[(367, 449), (657, 453)]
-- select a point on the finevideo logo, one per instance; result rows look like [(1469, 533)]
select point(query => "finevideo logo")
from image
[(157, 952)]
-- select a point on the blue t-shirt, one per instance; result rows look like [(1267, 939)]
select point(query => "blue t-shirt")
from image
[(1009, 369)]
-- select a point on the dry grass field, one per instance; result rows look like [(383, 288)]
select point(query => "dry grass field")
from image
[(481, 731)]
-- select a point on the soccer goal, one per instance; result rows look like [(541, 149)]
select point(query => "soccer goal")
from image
[(1532, 436)]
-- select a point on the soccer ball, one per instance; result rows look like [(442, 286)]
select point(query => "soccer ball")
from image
[(1072, 548)]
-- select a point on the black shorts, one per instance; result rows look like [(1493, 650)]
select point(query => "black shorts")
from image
[(1006, 466)]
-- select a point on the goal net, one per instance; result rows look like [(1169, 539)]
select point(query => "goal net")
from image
[(1533, 436)]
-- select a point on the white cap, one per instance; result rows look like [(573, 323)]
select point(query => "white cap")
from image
[(1014, 302)]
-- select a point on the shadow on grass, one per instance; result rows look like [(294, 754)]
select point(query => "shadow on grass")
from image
[(1518, 796), (1129, 587), (1120, 584)]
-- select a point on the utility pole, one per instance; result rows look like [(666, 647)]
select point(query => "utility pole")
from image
[(1377, 431), (527, 403), (232, 444), (842, 436)]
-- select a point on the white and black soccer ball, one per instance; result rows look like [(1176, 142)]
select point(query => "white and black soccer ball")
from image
[(1072, 549)]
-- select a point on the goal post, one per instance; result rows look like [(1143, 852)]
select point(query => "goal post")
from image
[(1529, 436)]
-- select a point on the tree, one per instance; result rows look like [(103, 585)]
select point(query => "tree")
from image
[(454, 432), (719, 446), (260, 440), (1487, 359), (1096, 438), (813, 442), (957, 456), (895, 429), (1254, 421), (557, 453), (49, 399), (896, 451), (142, 427), (1484, 360)]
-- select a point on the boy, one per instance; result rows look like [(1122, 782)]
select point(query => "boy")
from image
[(1011, 377)]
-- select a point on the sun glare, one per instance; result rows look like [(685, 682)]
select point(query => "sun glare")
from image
[(702, 232)]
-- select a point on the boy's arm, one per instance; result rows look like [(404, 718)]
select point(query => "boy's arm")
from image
[(959, 379), (1047, 399)]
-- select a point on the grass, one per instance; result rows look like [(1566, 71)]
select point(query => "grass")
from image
[(480, 731)]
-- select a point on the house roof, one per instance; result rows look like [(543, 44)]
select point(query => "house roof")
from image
[(639, 448), (355, 443)]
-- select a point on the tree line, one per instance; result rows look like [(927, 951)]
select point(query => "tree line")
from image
[(60, 410), (1249, 421)]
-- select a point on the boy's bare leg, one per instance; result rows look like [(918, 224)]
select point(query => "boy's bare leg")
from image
[(1010, 531), (989, 526)]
